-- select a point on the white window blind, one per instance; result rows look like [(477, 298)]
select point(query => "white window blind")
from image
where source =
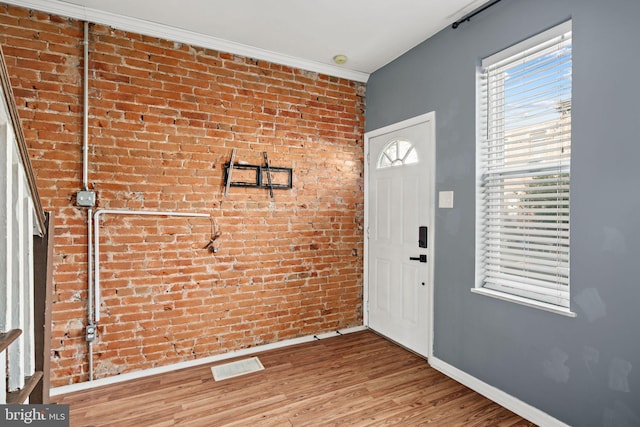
[(524, 157)]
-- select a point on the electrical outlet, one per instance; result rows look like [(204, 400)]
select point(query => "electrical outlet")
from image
[(91, 333)]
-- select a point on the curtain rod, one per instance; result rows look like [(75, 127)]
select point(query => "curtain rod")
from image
[(472, 14)]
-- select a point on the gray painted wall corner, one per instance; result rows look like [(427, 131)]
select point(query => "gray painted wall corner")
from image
[(584, 371)]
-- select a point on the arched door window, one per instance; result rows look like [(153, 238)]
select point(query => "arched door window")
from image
[(397, 153)]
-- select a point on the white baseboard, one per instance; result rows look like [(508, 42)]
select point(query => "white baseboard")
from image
[(513, 404), (197, 362)]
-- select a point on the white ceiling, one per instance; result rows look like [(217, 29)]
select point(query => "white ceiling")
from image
[(301, 33)]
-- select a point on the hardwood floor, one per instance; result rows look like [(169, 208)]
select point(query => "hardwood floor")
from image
[(359, 379)]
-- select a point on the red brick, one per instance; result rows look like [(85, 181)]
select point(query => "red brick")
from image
[(163, 120)]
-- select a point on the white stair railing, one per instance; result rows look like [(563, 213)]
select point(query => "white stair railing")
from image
[(20, 219), (16, 265)]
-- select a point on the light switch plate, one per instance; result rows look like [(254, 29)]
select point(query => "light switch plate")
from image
[(445, 199)]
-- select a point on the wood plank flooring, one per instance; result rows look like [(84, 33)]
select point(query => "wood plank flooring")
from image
[(358, 379)]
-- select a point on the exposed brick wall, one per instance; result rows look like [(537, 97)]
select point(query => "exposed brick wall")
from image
[(163, 119)]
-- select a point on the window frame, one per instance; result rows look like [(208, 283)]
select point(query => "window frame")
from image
[(519, 49)]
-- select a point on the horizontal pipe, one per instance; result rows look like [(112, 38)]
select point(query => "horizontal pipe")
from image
[(96, 242), (156, 213)]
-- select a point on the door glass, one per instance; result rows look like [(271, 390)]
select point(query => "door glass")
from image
[(397, 153)]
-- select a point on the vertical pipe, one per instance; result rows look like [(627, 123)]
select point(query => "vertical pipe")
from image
[(85, 115), (85, 187), (96, 256), (90, 360), (90, 265), (90, 285)]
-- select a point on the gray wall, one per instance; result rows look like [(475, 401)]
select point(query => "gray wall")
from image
[(584, 371)]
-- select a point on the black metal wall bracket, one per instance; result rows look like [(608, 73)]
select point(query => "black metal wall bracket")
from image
[(468, 17), (255, 176)]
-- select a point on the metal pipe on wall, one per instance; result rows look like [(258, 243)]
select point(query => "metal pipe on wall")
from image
[(90, 286), (85, 187), (93, 218), (85, 113)]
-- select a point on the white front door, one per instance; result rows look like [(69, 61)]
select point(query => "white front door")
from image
[(399, 179)]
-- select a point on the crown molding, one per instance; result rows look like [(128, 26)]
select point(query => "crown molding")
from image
[(166, 32)]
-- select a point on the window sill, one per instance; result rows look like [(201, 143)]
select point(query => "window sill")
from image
[(524, 301)]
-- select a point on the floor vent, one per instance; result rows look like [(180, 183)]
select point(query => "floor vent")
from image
[(235, 369)]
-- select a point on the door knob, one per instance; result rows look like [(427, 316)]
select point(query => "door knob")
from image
[(421, 258)]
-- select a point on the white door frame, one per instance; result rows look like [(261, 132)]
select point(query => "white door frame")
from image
[(431, 155)]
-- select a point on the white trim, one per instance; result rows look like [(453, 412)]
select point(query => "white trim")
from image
[(28, 321), (528, 43), (3, 378), (166, 32), (6, 228), (502, 398), (198, 362), (16, 352), (524, 301), (423, 118), (542, 281)]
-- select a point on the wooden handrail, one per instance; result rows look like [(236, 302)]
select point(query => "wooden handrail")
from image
[(12, 110), (20, 396), (6, 338)]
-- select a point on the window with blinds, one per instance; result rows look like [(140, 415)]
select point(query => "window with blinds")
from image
[(524, 157)]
